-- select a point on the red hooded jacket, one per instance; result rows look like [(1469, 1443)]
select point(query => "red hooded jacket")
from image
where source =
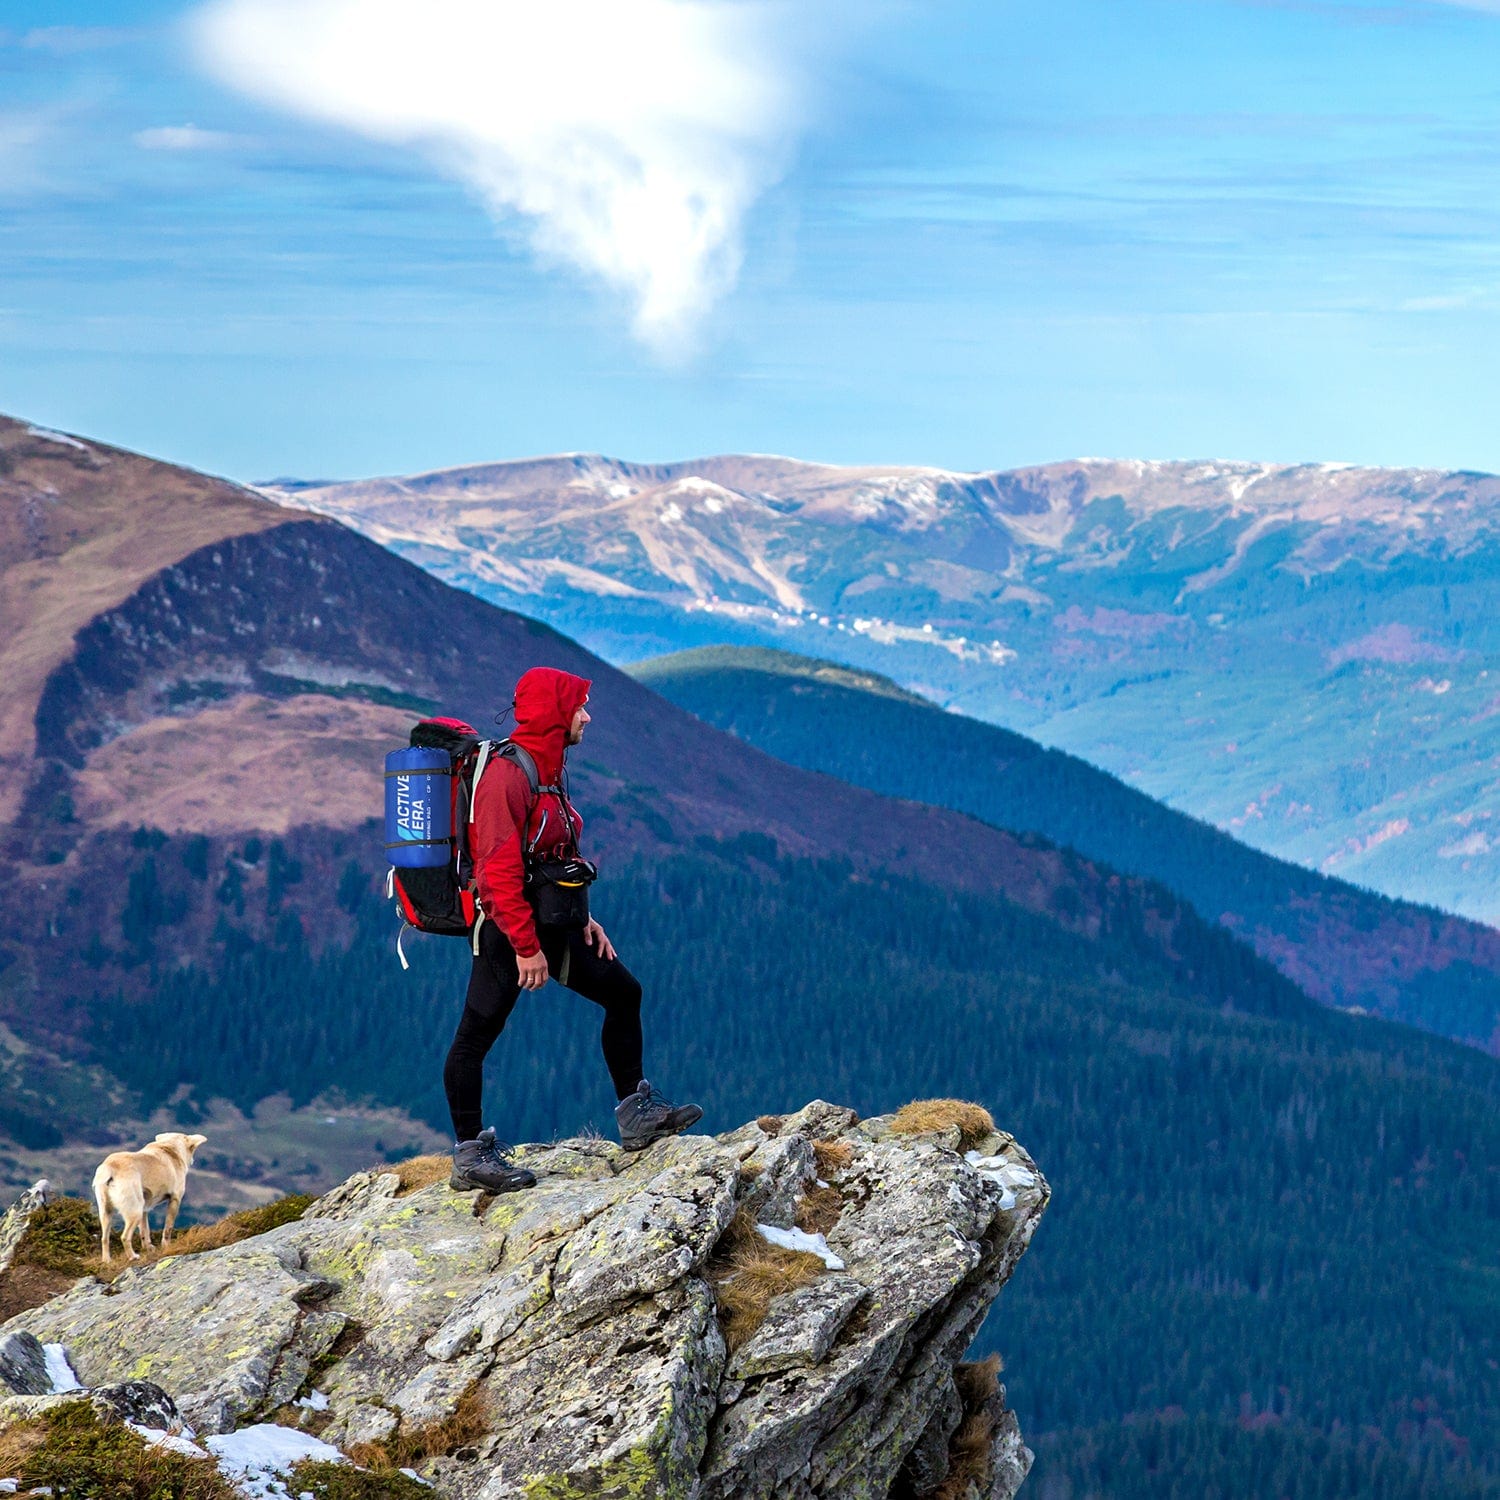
[(545, 702)]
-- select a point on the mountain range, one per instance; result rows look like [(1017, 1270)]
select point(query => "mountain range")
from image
[(1343, 945), (1269, 1254), (1305, 656)]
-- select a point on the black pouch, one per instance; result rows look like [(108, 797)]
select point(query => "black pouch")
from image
[(558, 890)]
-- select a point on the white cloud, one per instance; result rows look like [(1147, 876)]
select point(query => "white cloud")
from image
[(182, 138), (630, 136)]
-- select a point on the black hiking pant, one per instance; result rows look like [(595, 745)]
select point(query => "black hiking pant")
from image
[(494, 987)]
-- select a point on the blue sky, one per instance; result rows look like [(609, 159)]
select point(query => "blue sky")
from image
[(969, 234)]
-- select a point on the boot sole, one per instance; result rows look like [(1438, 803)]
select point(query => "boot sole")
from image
[(463, 1185), (641, 1145)]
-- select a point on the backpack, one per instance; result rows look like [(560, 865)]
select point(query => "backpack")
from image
[(441, 899)]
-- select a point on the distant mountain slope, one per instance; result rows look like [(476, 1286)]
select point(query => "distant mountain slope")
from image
[(1343, 945), (1307, 656)]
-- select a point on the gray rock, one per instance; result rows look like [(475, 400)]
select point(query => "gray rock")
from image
[(799, 1328), (23, 1365), (581, 1312), (17, 1220), (926, 1466), (138, 1401)]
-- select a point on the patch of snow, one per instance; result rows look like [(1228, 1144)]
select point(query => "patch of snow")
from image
[(314, 1401), (48, 435), (157, 1437), (412, 1474), (1007, 1175), (59, 1371), (800, 1239), (256, 1457), (713, 505), (672, 513), (43, 1188), (9, 1486)]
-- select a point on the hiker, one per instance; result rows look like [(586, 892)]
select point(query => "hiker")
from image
[(527, 866)]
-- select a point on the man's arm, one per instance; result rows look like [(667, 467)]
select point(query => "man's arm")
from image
[(501, 806)]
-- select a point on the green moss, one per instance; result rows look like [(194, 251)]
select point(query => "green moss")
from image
[(63, 1236), (329, 1481), (272, 1215), (638, 1475), (83, 1458)]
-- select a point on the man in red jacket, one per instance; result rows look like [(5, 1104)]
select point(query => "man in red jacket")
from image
[(511, 833)]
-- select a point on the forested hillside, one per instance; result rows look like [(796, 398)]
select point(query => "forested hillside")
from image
[(1344, 945), (1268, 1267)]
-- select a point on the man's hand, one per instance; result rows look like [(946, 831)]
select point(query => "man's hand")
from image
[(533, 971), (594, 936)]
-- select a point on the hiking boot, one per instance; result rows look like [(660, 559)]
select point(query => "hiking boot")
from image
[(644, 1117), (479, 1165)]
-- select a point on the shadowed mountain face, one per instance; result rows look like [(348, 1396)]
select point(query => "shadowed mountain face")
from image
[(1343, 945), (1305, 656)]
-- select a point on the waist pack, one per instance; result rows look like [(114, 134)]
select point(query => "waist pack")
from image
[(558, 890)]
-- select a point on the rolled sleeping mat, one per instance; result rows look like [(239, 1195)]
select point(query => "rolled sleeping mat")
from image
[(418, 808)]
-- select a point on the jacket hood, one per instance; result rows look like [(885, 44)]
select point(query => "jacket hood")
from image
[(545, 702)]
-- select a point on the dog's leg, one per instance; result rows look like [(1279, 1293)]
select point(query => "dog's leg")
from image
[(132, 1206), (101, 1202), (173, 1204)]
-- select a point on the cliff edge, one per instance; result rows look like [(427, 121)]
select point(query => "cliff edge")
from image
[(779, 1311)]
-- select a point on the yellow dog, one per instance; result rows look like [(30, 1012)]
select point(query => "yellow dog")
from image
[(132, 1183)]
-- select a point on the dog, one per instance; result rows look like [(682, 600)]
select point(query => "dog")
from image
[(132, 1183)]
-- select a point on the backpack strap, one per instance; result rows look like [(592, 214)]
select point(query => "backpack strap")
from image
[(522, 757)]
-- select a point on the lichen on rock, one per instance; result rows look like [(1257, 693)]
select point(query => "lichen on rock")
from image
[(580, 1318)]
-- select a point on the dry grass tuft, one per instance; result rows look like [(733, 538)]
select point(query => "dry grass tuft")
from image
[(747, 1271), (771, 1124), (832, 1157), (233, 1228), (922, 1115), (17, 1444), (818, 1209), (978, 1380), (970, 1449), (404, 1450), (418, 1172)]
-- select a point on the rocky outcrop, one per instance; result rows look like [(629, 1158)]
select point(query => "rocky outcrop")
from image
[(17, 1220), (582, 1320)]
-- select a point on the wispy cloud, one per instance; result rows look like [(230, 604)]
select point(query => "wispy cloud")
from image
[(631, 137), (183, 138)]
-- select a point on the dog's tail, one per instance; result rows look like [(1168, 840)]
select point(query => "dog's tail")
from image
[(102, 1180)]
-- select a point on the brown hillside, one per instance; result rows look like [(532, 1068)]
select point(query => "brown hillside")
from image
[(82, 526)]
